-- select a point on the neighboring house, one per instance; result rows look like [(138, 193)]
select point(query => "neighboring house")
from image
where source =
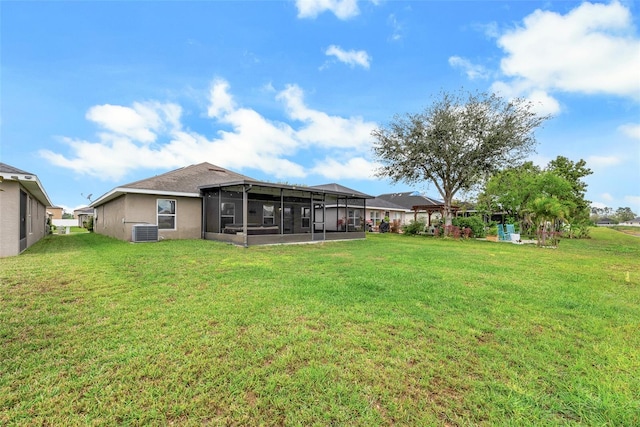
[(82, 215), (55, 211), (341, 214), (606, 221), (379, 209), (423, 207), (635, 221), (210, 202), (23, 210)]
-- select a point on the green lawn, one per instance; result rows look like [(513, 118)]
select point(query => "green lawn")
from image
[(389, 330)]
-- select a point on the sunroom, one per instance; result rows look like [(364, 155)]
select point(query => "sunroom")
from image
[(259, 213)]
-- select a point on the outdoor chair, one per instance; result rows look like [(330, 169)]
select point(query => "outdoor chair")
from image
[(501, 234)]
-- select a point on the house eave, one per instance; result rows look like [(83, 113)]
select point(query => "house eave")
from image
[(313, 190), (31, 183), (120, 191)]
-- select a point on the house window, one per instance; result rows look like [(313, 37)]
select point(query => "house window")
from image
[(227, 214), (166, 214), (354, 218), (306, 217), (29, 218), (268, 214), (376, 217)]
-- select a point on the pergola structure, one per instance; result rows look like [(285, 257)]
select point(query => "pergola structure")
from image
[(431, 209)]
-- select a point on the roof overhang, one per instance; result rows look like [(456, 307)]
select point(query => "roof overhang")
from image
[(31, 183), (120, 191)]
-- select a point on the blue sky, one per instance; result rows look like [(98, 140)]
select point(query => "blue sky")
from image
[(99, 94)]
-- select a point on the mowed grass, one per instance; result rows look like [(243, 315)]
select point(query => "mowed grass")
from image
[(391, 330)]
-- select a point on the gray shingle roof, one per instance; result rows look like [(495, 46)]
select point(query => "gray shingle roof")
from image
[(337, 188), (10, 169), (188, 179), (409, 199), (379, 203)]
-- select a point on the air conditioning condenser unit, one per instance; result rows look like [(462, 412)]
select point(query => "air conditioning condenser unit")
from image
[(144, 233)]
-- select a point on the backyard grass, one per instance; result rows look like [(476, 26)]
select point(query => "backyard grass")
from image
[(391, 330)]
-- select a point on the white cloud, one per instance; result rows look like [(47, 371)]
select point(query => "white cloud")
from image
[(140, 122), (354, 168), (220, 101), (323, 130), (591, 49), (350, 57), (473, 71), (343, 9), (606, 197), (250, 140), (599, 205), (543, 103), (631, 130), (600, 162)]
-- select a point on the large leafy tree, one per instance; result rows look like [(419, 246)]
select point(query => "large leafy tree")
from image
[(625, 214), (524, 192), (511, 190), (456, 142), (574, 172)]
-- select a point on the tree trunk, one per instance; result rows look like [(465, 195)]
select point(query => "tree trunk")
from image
[(448, 213)]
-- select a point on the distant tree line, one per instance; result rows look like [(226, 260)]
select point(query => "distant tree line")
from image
[(617, 215)]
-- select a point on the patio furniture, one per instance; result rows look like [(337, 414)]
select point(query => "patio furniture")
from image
[(502, 235)]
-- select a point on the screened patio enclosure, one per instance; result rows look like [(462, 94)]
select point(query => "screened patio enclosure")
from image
[(257, 213)]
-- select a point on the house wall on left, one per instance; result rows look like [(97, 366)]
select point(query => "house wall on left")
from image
[(36, 219), (117, 217)]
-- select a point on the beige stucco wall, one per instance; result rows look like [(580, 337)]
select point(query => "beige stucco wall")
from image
[(10, 219), (117, 217), (108, 220)]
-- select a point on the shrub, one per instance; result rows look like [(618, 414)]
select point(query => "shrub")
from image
[(475, 223), (413, 228), (88, 224)]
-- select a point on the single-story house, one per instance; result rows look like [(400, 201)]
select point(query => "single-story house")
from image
[(55, 212), (423, 208), (82, 215), (210, 202), (606, 221), (634, 222), (379, 209), (23, 210)]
